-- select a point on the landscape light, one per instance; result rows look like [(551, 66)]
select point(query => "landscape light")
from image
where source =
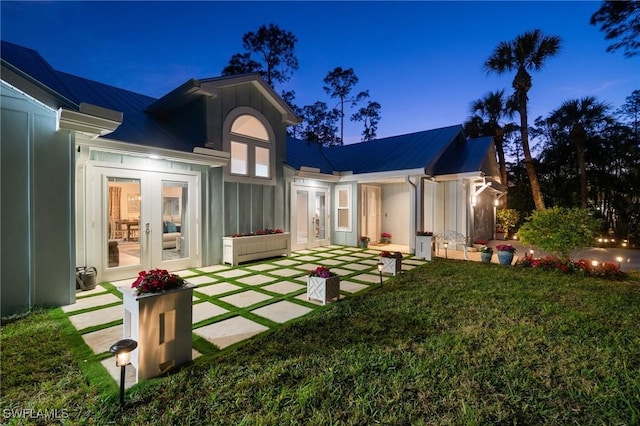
[(619, 259), (446, 246), (380, 265), (594, 263), (122, 350)]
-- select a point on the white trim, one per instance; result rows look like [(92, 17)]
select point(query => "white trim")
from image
[(211, 158), (349, 208), (399, 175)]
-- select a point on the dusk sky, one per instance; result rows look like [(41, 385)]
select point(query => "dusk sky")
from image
[(422, 61)]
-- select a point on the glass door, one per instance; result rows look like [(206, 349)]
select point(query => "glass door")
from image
[(310, 217), (144, 220)]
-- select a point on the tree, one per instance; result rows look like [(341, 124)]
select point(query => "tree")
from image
[(582, 118), (370, 116), (289, 97), (620, 20), (339, 84), (241, 63), (276, 48), (487, 115), (320, 124), (631, 110), (559, 230), (527, 52)]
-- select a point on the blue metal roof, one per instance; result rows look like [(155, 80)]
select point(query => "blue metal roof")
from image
[(438, 151), (465, 157), (302, 153)]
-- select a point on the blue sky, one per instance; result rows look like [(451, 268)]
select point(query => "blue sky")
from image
[(421, 60)]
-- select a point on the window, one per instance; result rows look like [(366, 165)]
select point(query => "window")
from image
[(239, 158), (343, 205), (250, 143), (262, 162)]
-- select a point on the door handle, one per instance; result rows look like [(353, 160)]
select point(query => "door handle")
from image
[(147, 229)]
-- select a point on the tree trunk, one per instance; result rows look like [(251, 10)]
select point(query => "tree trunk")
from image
[(499, 141), (578, 136), (522, 84)]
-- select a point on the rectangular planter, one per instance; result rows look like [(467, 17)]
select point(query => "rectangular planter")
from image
[(423, 247), (236, 250), (323, 289), (161, 324), (391, 265)]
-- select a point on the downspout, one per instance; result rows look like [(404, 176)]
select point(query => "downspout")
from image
[(412, 221)]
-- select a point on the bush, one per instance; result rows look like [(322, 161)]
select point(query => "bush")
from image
[(507, 218), (559, 230)]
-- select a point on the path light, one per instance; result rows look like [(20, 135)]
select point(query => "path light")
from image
[(122, 350), (619, 259), (531, 251), (594, 263), (446, 246), (380, 265)]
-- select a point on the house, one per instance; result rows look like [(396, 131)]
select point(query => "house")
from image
[(94, 175)]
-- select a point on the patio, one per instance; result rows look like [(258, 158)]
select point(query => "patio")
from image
[(232, 304)]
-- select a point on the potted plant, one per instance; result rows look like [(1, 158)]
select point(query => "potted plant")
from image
[(323, 285), (423, 244), (156, 281), (486, 253), (158, 309), (385, 238), (505, 253), (391, 262), (364, 241)]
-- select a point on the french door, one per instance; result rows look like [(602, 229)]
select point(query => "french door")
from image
[(310, 217), (371, 212), (142, 220)]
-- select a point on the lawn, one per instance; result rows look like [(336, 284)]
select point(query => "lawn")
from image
[(450, 342)]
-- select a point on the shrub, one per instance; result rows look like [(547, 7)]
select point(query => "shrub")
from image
[(507, 218), (559, 230)]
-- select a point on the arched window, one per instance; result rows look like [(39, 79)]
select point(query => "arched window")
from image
[(251, 148)]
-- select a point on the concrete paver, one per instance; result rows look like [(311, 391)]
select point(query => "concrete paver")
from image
[(282, 312)]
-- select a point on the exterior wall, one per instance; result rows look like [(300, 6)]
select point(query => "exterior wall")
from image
[(483, 217), (37, 225), (396, 212), (249, 205), (446, 207)]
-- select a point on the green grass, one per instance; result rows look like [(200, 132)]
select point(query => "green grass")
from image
[(451, 342)]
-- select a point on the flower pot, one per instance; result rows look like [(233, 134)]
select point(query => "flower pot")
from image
[(323, 289), (391, 265), (486, 257), (501, 235), (385, 240), (364, 244), (505, 257)]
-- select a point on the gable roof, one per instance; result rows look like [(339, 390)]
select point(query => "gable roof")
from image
[(437, 152)]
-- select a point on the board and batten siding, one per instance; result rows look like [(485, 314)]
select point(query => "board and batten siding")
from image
[(37, 227)]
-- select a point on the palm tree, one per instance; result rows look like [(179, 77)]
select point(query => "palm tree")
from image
[(488, 112), (582, 118), (527, 52)]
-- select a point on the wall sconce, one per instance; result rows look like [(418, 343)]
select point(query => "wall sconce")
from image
[(446, 246), (496, 202), (122, 350), (474, 200), (380, 265)]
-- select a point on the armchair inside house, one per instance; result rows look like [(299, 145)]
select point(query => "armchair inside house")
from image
[(171, 235)]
